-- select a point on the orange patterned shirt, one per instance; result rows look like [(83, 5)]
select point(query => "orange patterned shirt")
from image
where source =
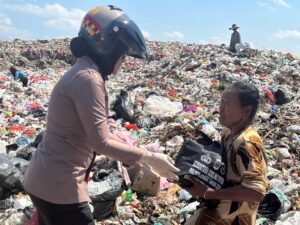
[(246, 167)]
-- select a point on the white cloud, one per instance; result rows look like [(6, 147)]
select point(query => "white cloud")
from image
[(287, 34), (282, 3), (7, 30), (56, 16), (274, 4), (146, 34), (175, 35), (266, 5)]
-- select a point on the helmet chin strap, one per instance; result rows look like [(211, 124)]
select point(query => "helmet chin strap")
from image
[(80, 47)]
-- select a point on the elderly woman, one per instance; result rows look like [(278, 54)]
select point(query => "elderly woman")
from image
[(246, 165)]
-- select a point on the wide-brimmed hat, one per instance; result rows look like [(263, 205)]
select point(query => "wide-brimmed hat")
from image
[(234, 26)]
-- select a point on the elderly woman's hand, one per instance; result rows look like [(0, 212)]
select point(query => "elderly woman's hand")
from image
[(198, 189)]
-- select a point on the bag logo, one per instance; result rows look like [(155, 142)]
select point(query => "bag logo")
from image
[(206, 159)]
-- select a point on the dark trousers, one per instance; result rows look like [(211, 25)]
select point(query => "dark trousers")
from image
[(24, 81), (60, 214)]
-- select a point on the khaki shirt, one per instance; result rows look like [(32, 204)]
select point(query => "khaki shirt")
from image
[(76, 127)]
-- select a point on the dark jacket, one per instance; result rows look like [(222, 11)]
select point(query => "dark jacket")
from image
[(235, 39)]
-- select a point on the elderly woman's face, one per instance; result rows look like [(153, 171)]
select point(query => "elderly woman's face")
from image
[(231, 112)]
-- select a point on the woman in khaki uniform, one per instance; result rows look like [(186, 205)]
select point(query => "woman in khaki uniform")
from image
[(245, 158), (77, 127)]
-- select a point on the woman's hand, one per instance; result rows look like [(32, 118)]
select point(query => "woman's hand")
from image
[(160, 164), (198, 189)]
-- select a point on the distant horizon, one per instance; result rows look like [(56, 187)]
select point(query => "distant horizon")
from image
[(172, 41), (265, 24)]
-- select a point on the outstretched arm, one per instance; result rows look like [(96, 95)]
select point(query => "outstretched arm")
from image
[(237, 193)]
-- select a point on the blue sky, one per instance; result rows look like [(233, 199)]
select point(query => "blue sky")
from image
[(269, 24)]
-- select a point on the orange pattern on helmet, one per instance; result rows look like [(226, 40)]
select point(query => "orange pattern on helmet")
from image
[(91, 26), (94, 11)]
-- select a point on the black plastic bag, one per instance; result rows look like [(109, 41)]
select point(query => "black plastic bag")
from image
[(205, 160), (37, 113), (123, 106), (281, 97), (103, 209), (20, 163), (146, 121), (270, 207), (26, 152), (38, 139), (6, 168), (104, 189), (11, 147), (11, 178)]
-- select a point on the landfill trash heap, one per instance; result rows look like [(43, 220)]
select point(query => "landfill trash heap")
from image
[(158, 104)]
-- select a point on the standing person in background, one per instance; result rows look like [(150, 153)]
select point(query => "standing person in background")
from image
[(77, 127), (235, 38), (19, 75)]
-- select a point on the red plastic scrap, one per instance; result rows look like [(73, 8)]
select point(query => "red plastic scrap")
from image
[(2, 78), (152, 82), (34, 219), (135, 206), (33, 106), (131, 126), (269, 94), (172, 93), (28, 131), (15, 128), (36, 79)]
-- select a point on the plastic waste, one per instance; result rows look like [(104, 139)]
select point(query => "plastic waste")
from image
[(104, 188), (131, 126), (283, 153), (274, 204), (289, 218), (146, 121), (269, 94), (23, 140), (184, 195), (11, 178), (3, 147), (20, 163), (34, 218), (18, 218), (123, 106), (263, 221), (6, 203), (21, 203), (189, 208), (294, 129), (161, 107), (281, 97), (128, 195)]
